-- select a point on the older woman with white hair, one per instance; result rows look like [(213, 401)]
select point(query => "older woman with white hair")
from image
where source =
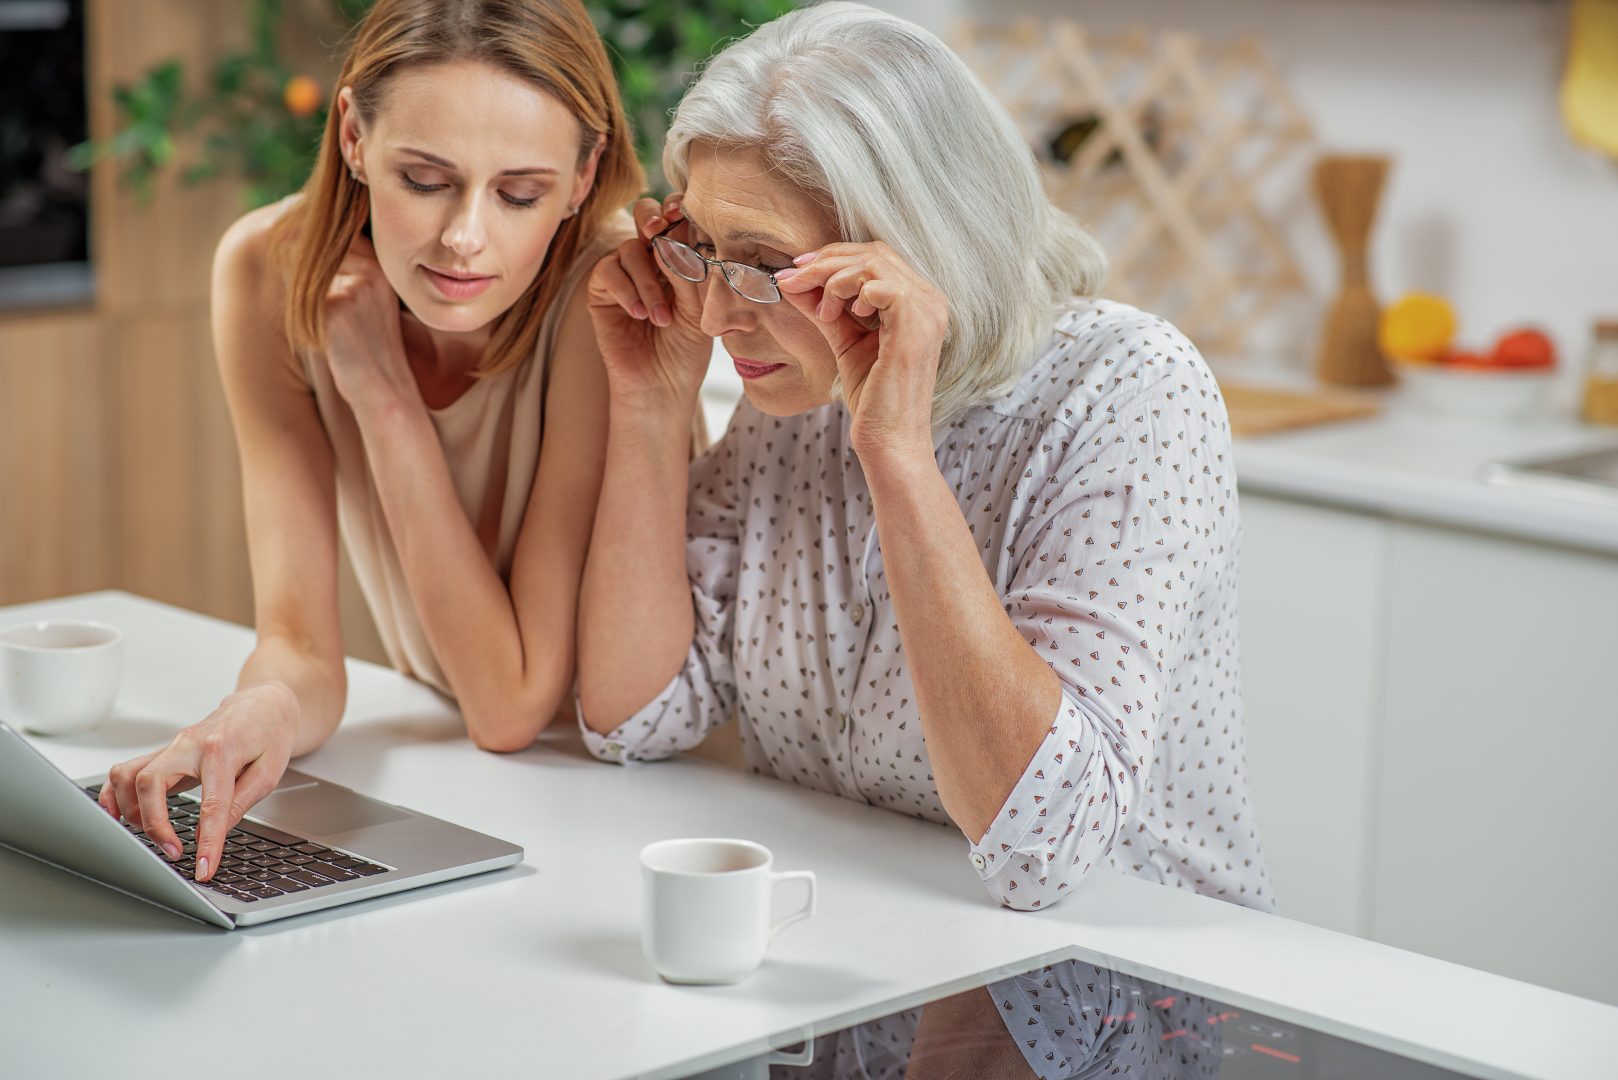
[(968, 548)]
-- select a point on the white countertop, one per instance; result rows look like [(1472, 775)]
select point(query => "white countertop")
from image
[(536, 971), (1431, 469)]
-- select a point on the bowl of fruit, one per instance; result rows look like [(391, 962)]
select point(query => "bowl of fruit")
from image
[(1509, 381)]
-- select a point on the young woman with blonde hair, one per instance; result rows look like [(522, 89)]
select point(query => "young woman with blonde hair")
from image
[(410, 364)]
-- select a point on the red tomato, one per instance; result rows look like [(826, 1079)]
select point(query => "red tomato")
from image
[(1525, 348)]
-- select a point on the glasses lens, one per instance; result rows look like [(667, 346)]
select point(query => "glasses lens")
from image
[(681, 259), (752, 283)]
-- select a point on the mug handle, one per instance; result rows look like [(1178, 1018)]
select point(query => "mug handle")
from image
[(800, 1058), (808, 909)]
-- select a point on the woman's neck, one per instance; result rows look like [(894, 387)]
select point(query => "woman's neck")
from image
[(442, 363)]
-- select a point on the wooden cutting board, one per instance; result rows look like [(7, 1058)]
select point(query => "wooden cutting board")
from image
[(1260, 410)]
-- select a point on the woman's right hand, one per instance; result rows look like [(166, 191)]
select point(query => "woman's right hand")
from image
[(647, 318), (237, 753)]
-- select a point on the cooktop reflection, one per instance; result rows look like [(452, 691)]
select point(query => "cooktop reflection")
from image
[(1068, 1018)]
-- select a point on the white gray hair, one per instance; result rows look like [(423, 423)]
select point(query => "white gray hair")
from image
[(883, 120)]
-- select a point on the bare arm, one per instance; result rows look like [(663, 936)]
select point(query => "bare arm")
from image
[(508, 652), (291, 690), (635, 622), (985, 697), (635, 619)]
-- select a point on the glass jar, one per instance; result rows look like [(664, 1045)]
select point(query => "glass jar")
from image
[(1601, 374)]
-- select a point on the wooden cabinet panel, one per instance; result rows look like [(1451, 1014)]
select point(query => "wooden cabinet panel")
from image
[(156, 257), (53, 507)]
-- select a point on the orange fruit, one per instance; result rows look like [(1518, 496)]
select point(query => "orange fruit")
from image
[(1417, 327), (301, 95)]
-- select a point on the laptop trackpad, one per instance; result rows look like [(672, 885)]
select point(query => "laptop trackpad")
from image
[(322, 810)]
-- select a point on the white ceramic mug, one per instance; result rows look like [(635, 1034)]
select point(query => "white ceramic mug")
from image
[(705, 908), (59, 677)]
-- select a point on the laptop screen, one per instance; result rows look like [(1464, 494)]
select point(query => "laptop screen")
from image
[(1068, 1015)]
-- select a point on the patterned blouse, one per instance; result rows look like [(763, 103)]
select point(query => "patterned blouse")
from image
[(1101, 494)]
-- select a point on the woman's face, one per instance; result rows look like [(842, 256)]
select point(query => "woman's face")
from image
[(470, 172), (740, 209)]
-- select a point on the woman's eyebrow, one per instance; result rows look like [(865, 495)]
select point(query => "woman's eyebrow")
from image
[(529, 170), (749, 236)]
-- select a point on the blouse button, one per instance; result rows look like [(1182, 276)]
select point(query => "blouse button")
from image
[(978, 860), (856, 613), (842, 721)]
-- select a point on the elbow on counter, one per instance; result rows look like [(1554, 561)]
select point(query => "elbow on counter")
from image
[(1021, 886), (507, 734)]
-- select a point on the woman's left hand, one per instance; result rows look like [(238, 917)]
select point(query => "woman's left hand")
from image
[(886, 324), (364, 338)]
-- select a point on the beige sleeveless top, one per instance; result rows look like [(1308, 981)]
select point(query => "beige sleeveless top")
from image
[(490, 435)]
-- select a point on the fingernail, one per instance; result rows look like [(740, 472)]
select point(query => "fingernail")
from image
[(806, 258), (655, 224), (172, 851), (639, 311), (824, 311), (661, 315), (782, 275), (202, 868)]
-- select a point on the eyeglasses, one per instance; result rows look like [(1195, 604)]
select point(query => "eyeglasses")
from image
[(750, 282)]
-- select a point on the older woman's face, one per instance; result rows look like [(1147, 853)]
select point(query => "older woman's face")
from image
[(740, 209)]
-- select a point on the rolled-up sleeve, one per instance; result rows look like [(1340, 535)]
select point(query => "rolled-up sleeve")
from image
[(1102, 588), (703, 694)]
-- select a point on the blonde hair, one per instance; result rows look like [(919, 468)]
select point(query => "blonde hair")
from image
[(550, 43), (881, 119)]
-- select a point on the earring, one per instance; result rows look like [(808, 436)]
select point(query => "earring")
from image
[(571, 211), (354, 175)]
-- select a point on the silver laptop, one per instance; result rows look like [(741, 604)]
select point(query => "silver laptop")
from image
[(307, 845)]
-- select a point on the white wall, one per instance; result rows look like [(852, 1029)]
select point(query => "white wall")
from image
[(1489, 201)]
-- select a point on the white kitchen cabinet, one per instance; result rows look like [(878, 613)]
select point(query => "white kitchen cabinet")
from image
[(1432, 725), (1495, 800), (1310, 582)]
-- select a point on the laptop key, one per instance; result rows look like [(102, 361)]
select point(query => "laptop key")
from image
[(275, 836), (314, 881), (300, 860), (263, 875), (264, 892), (369, 870), (225, 877), (287, 885), (306, 848), (328, 870)]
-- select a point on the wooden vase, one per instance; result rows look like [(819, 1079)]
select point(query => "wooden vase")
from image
[(1348, 189)]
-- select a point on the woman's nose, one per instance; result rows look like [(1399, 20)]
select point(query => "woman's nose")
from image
[(723, 310), (464, 235)]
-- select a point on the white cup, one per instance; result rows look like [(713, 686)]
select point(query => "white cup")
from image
[(59, 677), (705, 908)]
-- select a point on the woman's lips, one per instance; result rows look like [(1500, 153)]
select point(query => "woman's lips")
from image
[(456, 286), (752, 369)]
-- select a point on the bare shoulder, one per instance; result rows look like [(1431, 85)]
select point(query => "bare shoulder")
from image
[(249, 291), (243, 261)]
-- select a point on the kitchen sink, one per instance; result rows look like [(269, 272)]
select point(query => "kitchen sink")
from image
[(1591, 474)]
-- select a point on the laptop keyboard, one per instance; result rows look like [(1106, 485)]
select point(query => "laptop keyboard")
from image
[(259, 862)]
